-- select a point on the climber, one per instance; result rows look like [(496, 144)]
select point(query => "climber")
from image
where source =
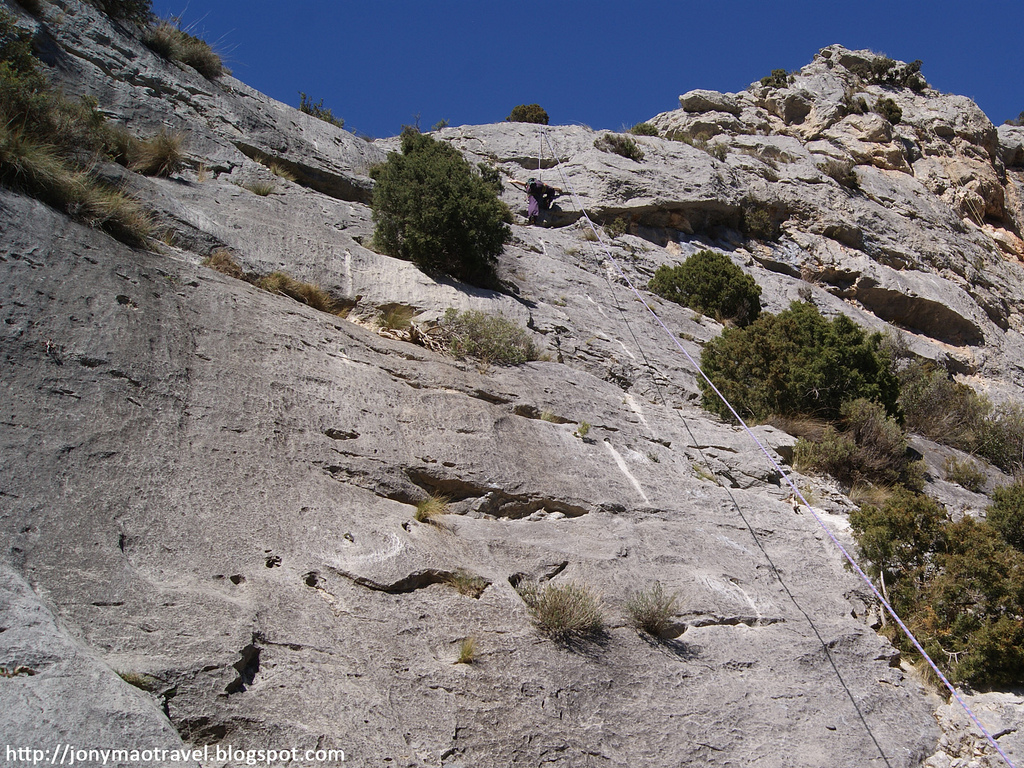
[(539, 197)]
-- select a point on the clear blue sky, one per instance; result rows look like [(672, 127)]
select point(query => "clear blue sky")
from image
[(380, 63)]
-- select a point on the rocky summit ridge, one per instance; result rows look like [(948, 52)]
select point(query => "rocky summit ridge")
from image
[(207, 490)]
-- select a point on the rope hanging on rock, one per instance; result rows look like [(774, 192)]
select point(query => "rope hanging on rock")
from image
[(775, 465)]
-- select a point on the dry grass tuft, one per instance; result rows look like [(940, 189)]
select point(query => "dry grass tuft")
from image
[(174, 44), (467, 651), (259, 187), (870, 495), (309, 294), (225, 263), (161, 155), (651, 610), (466, 583), (562, 611), (431, 508)]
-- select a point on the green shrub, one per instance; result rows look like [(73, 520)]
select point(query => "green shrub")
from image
[(1006, 514), (617, 226), (900, 536), (779, 78), (528, 113), (433, 208), (796, 363), (959, 587), (318, 110), (620, 145), (758, 222), (889, 109), (854, 105), (644, 129), (492, 339), (939, 408), (964, 473), (171, 42), (946, 411), (651, 610), (563, 611), (885, 71), (711, 284), (872, 448)]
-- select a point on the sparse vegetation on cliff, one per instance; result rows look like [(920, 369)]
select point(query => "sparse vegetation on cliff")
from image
[(138, 11), (563, 610), (175, 44), (48, 145), (620, 145), (318, 110)]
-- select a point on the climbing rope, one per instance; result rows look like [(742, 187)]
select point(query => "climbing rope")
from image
[(775, 465)]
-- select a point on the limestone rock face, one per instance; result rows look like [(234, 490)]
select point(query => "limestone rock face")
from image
[(211, 489)]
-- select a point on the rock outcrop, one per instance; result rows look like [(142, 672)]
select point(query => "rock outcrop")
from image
[(211, 488)]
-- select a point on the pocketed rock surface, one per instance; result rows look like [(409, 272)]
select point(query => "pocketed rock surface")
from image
[(210, 489)]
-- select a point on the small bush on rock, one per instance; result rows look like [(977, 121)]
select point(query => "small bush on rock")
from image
[(757, 221), (889, 109), (171, 42), (779, 78), (644, 129), (884, 71), (563, 610), (619, 145), (796, 363), (651, 610), (528, 113), (492, 339), (710, 283), (964, 473), (433, 208), (318, 110), (872, 448)]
